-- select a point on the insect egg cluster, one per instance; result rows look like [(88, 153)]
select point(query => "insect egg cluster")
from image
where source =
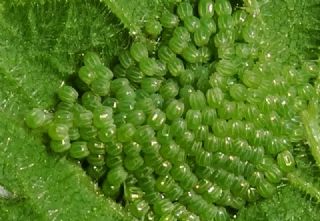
[(191, 129)]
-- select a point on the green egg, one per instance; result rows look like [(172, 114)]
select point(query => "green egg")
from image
[(113, 161), (133, 163), (90, 100), (79, 150), (174, 110), (82, 117), (191, 54), (118, 83), (256, 178), (138, 51), (87, 74), (67, 94), (180, 171), (139, 208), (35, 118), (64, 117), (150, 216), (201, 36), (193, 118), (174, 193), (223, 7), (190, 217), (114, 148), (169, 20), (126, 59), (100, 86), (145, 104), (96, 147), (162, 168), (167, 217), (136, 117), (116, 176), (147, 183), (134, 75), (150, 85), (152, 147), (192, 23), (197, 100), (153, 28), (91, 59), (111, 102), (125, 132), (227, 67), (177, 44), (211, 143), (165, 54), (204, 158), (184, 10), (148, 66), (96, 159), (251, 79), (238, 92), (110, 190), (107, 134), (265, 189), (164, 135), (169, 89), (252, 194), (212, 193), (96, 172), (58, 131), (124, 107), (182, 33), (144, 134), (102, 117), (224, 38), (205, 55), (156, 119), (88, 133), (240, 187), (103, 72), (208, 24), (215, 97), (222, 215), (125, 93), (164, 183), (186, 138), (227, 110), (60, 146), (170, 151), (175, 67), (209, 115), (252, 31), (162, 206), (273, 174), (205, 8), (286, 161), (225, 22), (74, 133), (65, 106)]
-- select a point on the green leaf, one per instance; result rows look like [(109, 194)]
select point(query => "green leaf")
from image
[(134, 13), (22, 210), (29, 172), (57, 33), (47, 186), (286, 205)]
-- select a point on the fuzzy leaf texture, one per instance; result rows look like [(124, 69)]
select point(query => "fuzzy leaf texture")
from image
[(40, 45), (38, 49)]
